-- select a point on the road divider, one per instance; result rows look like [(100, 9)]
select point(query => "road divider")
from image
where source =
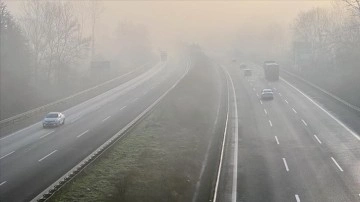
[(336, 163), (277, 140), (45, 194), (316, 137), (47, 156), (83, 133), (8, 154), (285, 164)]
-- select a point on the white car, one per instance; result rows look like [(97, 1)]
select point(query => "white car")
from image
[(53, 119), (267, 94)]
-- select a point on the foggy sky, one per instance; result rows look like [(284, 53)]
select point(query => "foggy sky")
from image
[(209, 23)]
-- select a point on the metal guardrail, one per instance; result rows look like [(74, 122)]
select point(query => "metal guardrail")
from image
[(356, 108), (72, 173), (47, 107)]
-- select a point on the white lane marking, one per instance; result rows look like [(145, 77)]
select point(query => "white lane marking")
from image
[(83, 133), (254, 89), (46, 134), (122, 108), (280, 94), (336, 163), (286, 165), (297, 198), (316, 137), (7, 155), (135, 99), (270, 123), (277, 140), (261, 102), (257, 94), (324, 110), (3, 183), (265, 111), (286, 101), (294, 111), (304, 122), (106, 118), (274, 88), (47, 156)]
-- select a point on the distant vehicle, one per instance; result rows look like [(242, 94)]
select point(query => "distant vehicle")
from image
[(242, 66), (100, 64), (163, 56), (267, 94), (53, 119), (271, 70), (247, 72)]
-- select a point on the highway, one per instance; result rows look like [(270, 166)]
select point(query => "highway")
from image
[(32, 158), (288, 149)]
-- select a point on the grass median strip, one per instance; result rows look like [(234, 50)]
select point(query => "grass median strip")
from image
[(161, 159)]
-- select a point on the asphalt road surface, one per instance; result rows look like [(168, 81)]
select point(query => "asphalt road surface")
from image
[(287, 149), (33, 158)]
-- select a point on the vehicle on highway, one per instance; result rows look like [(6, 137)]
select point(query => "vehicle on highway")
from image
[(53, 119), (271, 70), (247, 72), (242, 66), (267, 94)]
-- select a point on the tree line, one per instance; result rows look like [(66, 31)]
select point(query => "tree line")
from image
[(46, 51)]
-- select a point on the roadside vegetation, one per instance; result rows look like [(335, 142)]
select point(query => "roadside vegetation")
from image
[(161, 159)]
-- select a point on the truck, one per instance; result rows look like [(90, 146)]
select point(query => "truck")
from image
[(271, 70)]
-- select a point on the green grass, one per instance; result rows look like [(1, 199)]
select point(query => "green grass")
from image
[(160, 160)]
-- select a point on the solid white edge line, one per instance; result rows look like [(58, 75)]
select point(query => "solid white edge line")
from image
[(46, 134), (82, 133), (7, 155), (3, 183), (324, 110), (336, 163), (294, 111), (316, 137), (277, 140), (47, 155), (285, 164), (297, 198), (304, 122), (222, 147), (236, 133), (106, 118), (270, 123)]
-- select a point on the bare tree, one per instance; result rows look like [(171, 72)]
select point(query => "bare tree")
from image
[(354, 5), (95, 8), (54, 33)]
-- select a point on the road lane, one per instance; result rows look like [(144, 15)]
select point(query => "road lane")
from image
[(304, 152), (65, 148), (309, 157)]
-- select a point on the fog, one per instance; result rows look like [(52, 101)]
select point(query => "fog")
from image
[(213, 24), (129, 34)]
